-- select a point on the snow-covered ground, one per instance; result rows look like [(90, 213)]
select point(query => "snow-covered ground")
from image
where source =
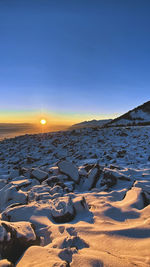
[(76, 197)]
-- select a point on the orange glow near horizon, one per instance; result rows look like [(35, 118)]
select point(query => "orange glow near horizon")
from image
[(51, 118)]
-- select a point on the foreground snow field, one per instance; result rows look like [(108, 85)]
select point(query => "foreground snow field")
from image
[(76, 197)]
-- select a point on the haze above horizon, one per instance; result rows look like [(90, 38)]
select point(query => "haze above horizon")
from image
[(71, 61)]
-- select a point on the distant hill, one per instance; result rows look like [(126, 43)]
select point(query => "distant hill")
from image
[(137, 116), (92, 123)]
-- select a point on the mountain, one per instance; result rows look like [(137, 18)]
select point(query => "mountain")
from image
[(92, 123), (137, 116)]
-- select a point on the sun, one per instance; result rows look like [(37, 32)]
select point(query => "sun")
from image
[(43, 121)]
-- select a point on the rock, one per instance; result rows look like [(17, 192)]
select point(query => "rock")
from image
[(51, 181), (39, 174), (39, 192), (9, 195), (13, 174), (111, 176), (62, 177), (82, 171), (68, 168), (31, 212), (56, 189), (108, 179), (88, 166), (56, 180), (15, 238), (63, 210), (2, 183), (54, 170), (93, 176), (69, 186), (6, 263), (20, 182)]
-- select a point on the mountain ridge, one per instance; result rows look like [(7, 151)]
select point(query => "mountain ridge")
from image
[(139, 115), (91, 123)]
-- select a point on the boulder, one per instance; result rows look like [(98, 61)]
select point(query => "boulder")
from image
[(30, 213), (6, 263), (93, 176), (69, 169), (63, 210), (110, 177), (39, 174), (9, 195), (15, 238)]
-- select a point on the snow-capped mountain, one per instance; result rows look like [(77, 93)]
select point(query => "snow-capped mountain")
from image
[(137, 116), (92, 123)]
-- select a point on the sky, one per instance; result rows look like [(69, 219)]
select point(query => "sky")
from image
[(73, 60)]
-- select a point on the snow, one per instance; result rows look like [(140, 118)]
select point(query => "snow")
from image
[(76, 197)]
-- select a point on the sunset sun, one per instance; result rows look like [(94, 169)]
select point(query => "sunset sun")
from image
[(43, 121)]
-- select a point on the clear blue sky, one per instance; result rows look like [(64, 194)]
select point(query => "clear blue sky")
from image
[(74, 56)]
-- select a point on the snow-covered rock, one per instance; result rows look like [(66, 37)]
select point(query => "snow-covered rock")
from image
[(9, 195), (109, 178), (15, 238), (93, 176), (63, 210), (6, 263), (68, 168), (39, 192), (39, 174), (30, 213)]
